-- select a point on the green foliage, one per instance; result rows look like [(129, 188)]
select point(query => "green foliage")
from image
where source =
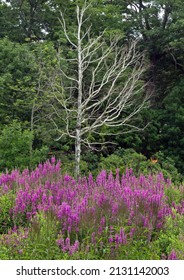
[(138, 249), (41, 241), (15, 145), (11, 244), (172, 121), (172, 237), (160, 247), (4, 253), (6, 217), (132, 159), (111, 163), (129, 158), (175, 194), (17, 81), (26, 20), (168, 167), (28, 59), (36, 242), (91, 160)]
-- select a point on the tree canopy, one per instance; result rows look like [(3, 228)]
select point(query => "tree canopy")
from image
[(31, 37)]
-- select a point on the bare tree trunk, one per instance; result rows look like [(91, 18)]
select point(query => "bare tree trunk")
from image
[(32, 130), (79, 100), (77, 153)]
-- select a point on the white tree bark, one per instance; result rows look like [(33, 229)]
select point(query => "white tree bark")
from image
[(107, 93)]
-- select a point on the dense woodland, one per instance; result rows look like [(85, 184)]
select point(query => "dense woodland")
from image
[(33, 51), (92, 129)]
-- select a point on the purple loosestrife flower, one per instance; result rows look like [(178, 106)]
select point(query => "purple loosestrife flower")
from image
[(23, 207), (132, 232), (102, 222), (46, 208), (145, 221), (182, 203), (173, 204), (53, 160), (117, 240), (57, 167), (100, 230), (5, 188), (111, 239), (69, 229), (115, 207), (91, 182), (64, 210), (101, 178), (140, 200), (75, 219), (74, 248), (101, 199), (50, 200), (172, 256), (4, 178), (67, 243), (84, 202), (44, 171), (34, 198), (67, 178), (93, 239), (111, 228), (61, 243), (29, 215), (159, 225), (110, 179), (44, 198), (25, 173), (123, 236)]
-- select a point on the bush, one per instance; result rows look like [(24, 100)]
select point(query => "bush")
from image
[(128, 158), (111, 163), (6, 219), (170, 239), (16, 148)]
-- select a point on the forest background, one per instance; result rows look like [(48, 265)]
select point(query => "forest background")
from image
[(32, 39)]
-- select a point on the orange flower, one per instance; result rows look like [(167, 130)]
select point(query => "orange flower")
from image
[(154, 160)]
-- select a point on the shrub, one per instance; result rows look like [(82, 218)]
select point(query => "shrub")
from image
[(111, 163), (6, 217), (170, 239), (15, 148), (128, 158)]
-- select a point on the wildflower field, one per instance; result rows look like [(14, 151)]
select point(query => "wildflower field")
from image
[(47, 215)]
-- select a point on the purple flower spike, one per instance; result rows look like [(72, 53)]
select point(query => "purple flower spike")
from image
[(172, 256)]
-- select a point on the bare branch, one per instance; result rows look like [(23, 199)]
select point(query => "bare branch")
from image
[(63, 24), (102, 89)]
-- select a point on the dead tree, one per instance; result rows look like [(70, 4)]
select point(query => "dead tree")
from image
[(106, 79)]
